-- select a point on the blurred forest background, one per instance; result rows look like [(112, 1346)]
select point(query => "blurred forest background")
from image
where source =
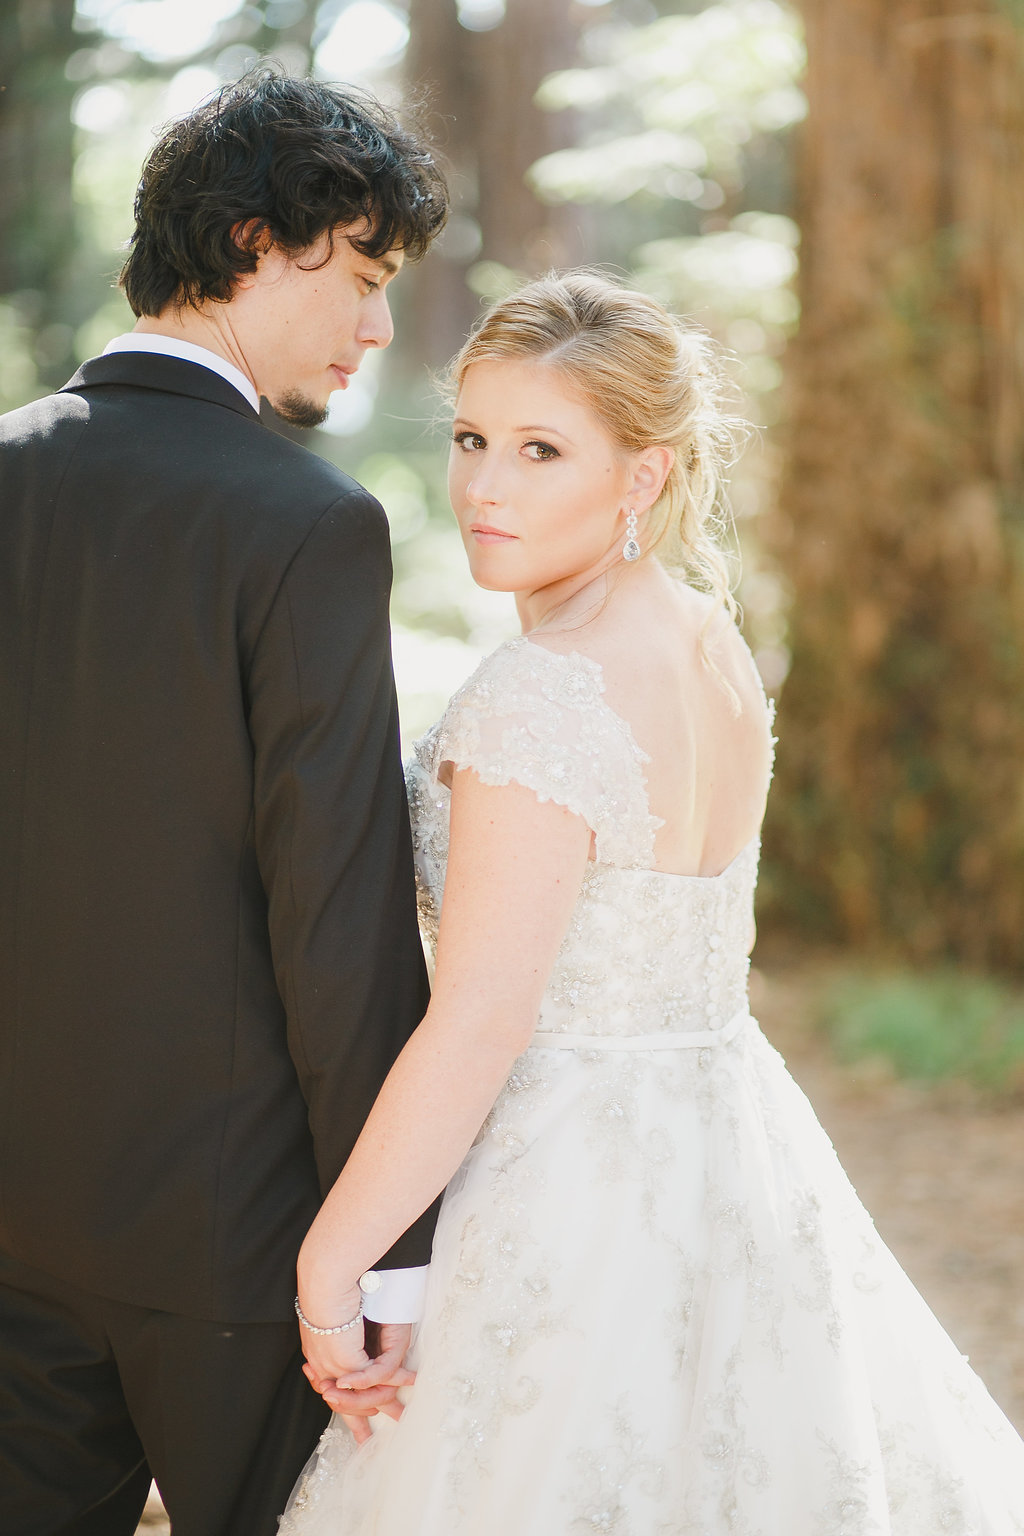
[(834, 188)]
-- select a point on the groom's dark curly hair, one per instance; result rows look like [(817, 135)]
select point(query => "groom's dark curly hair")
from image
[(279, 157)]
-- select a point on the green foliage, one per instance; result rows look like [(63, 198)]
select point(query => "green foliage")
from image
[(931, 1026), (693, 93), (1014, 9), (686, 115), (19, 379), (737, 280)]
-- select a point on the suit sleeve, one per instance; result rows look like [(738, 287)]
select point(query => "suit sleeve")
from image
[(332, 832)]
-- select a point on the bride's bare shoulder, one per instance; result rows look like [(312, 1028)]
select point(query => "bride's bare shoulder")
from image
[(669, 641)]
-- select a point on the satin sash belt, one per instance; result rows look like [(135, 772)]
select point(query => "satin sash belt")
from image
[(685, 1039)]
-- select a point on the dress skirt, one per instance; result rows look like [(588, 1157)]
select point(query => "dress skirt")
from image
[(656, 1307)]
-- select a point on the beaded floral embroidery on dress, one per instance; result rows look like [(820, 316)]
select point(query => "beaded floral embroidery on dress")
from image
[(656, 1306)]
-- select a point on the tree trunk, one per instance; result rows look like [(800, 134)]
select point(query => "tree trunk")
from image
[(37, 222), (480, 86), (506, 65), (898, 817), (436, 308)]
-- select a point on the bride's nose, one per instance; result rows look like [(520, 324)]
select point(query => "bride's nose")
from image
[(482, 490)]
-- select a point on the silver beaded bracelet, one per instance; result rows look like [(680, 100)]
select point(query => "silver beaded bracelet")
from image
[(341, 1328)]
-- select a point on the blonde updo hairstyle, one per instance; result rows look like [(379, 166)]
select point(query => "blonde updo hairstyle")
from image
[(651, 380)]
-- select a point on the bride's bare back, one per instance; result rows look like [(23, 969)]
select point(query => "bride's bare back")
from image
[(677, 671)]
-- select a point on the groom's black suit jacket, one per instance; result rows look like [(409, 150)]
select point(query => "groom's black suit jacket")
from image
[(208, 946)]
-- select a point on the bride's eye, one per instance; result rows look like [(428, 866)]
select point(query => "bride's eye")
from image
[(544, 452), (469, 442)]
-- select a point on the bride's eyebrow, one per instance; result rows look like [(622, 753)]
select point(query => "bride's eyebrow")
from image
[(460, 421)]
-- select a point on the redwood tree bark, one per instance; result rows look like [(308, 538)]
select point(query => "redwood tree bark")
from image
[(37, 216), (436, 307), (480, 88), (898, 817)]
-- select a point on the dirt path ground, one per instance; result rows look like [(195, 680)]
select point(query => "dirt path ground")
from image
[(941, 1173)]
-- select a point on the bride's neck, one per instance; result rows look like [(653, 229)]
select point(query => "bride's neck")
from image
[(578, 600), (563, 604)]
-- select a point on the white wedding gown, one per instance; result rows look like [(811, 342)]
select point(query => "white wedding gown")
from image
[(656, 1306)]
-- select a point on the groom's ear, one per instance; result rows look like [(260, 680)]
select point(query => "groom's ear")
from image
[(253, 236)]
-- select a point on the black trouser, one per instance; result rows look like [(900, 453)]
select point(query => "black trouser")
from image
[(96, 1396)]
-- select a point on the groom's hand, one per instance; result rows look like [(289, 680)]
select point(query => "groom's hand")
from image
[(387, 1344), (358, 1395)]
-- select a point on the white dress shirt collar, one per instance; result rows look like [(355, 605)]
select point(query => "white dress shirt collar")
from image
[(171, 346)]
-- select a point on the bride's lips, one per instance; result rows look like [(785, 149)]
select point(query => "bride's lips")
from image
[(484, 534)]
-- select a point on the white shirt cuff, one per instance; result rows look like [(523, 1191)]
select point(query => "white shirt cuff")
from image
[(394, 1295)]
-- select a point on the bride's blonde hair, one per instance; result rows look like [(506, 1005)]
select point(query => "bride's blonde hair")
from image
[(651, 379)]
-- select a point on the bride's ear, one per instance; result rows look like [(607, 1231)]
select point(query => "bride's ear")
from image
[(652, 468)]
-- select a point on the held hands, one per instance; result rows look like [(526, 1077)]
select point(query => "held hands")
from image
[(358, 1371), (360, 1394)]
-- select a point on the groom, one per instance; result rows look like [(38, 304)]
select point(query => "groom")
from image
[(209, 955)]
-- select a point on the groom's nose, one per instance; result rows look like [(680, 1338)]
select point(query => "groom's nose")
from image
[(376, 327)]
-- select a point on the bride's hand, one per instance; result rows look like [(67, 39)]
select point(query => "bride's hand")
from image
[(357, 1396), (331, 1354)]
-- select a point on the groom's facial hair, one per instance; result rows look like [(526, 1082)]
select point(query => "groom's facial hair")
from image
[(300, 411)]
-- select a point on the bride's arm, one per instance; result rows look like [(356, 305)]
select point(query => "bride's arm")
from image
[(515, 867)]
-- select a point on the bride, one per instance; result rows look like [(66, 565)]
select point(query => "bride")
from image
[(655, 1305)]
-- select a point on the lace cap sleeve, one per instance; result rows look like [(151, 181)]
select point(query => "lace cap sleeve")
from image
[(538, 717)]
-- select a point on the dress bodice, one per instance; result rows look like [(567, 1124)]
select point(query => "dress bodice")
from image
[(646, 951)]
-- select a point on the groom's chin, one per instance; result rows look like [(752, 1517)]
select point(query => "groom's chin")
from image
[(299, 411)]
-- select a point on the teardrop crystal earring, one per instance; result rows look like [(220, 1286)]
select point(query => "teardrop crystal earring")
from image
[(631, 549)]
